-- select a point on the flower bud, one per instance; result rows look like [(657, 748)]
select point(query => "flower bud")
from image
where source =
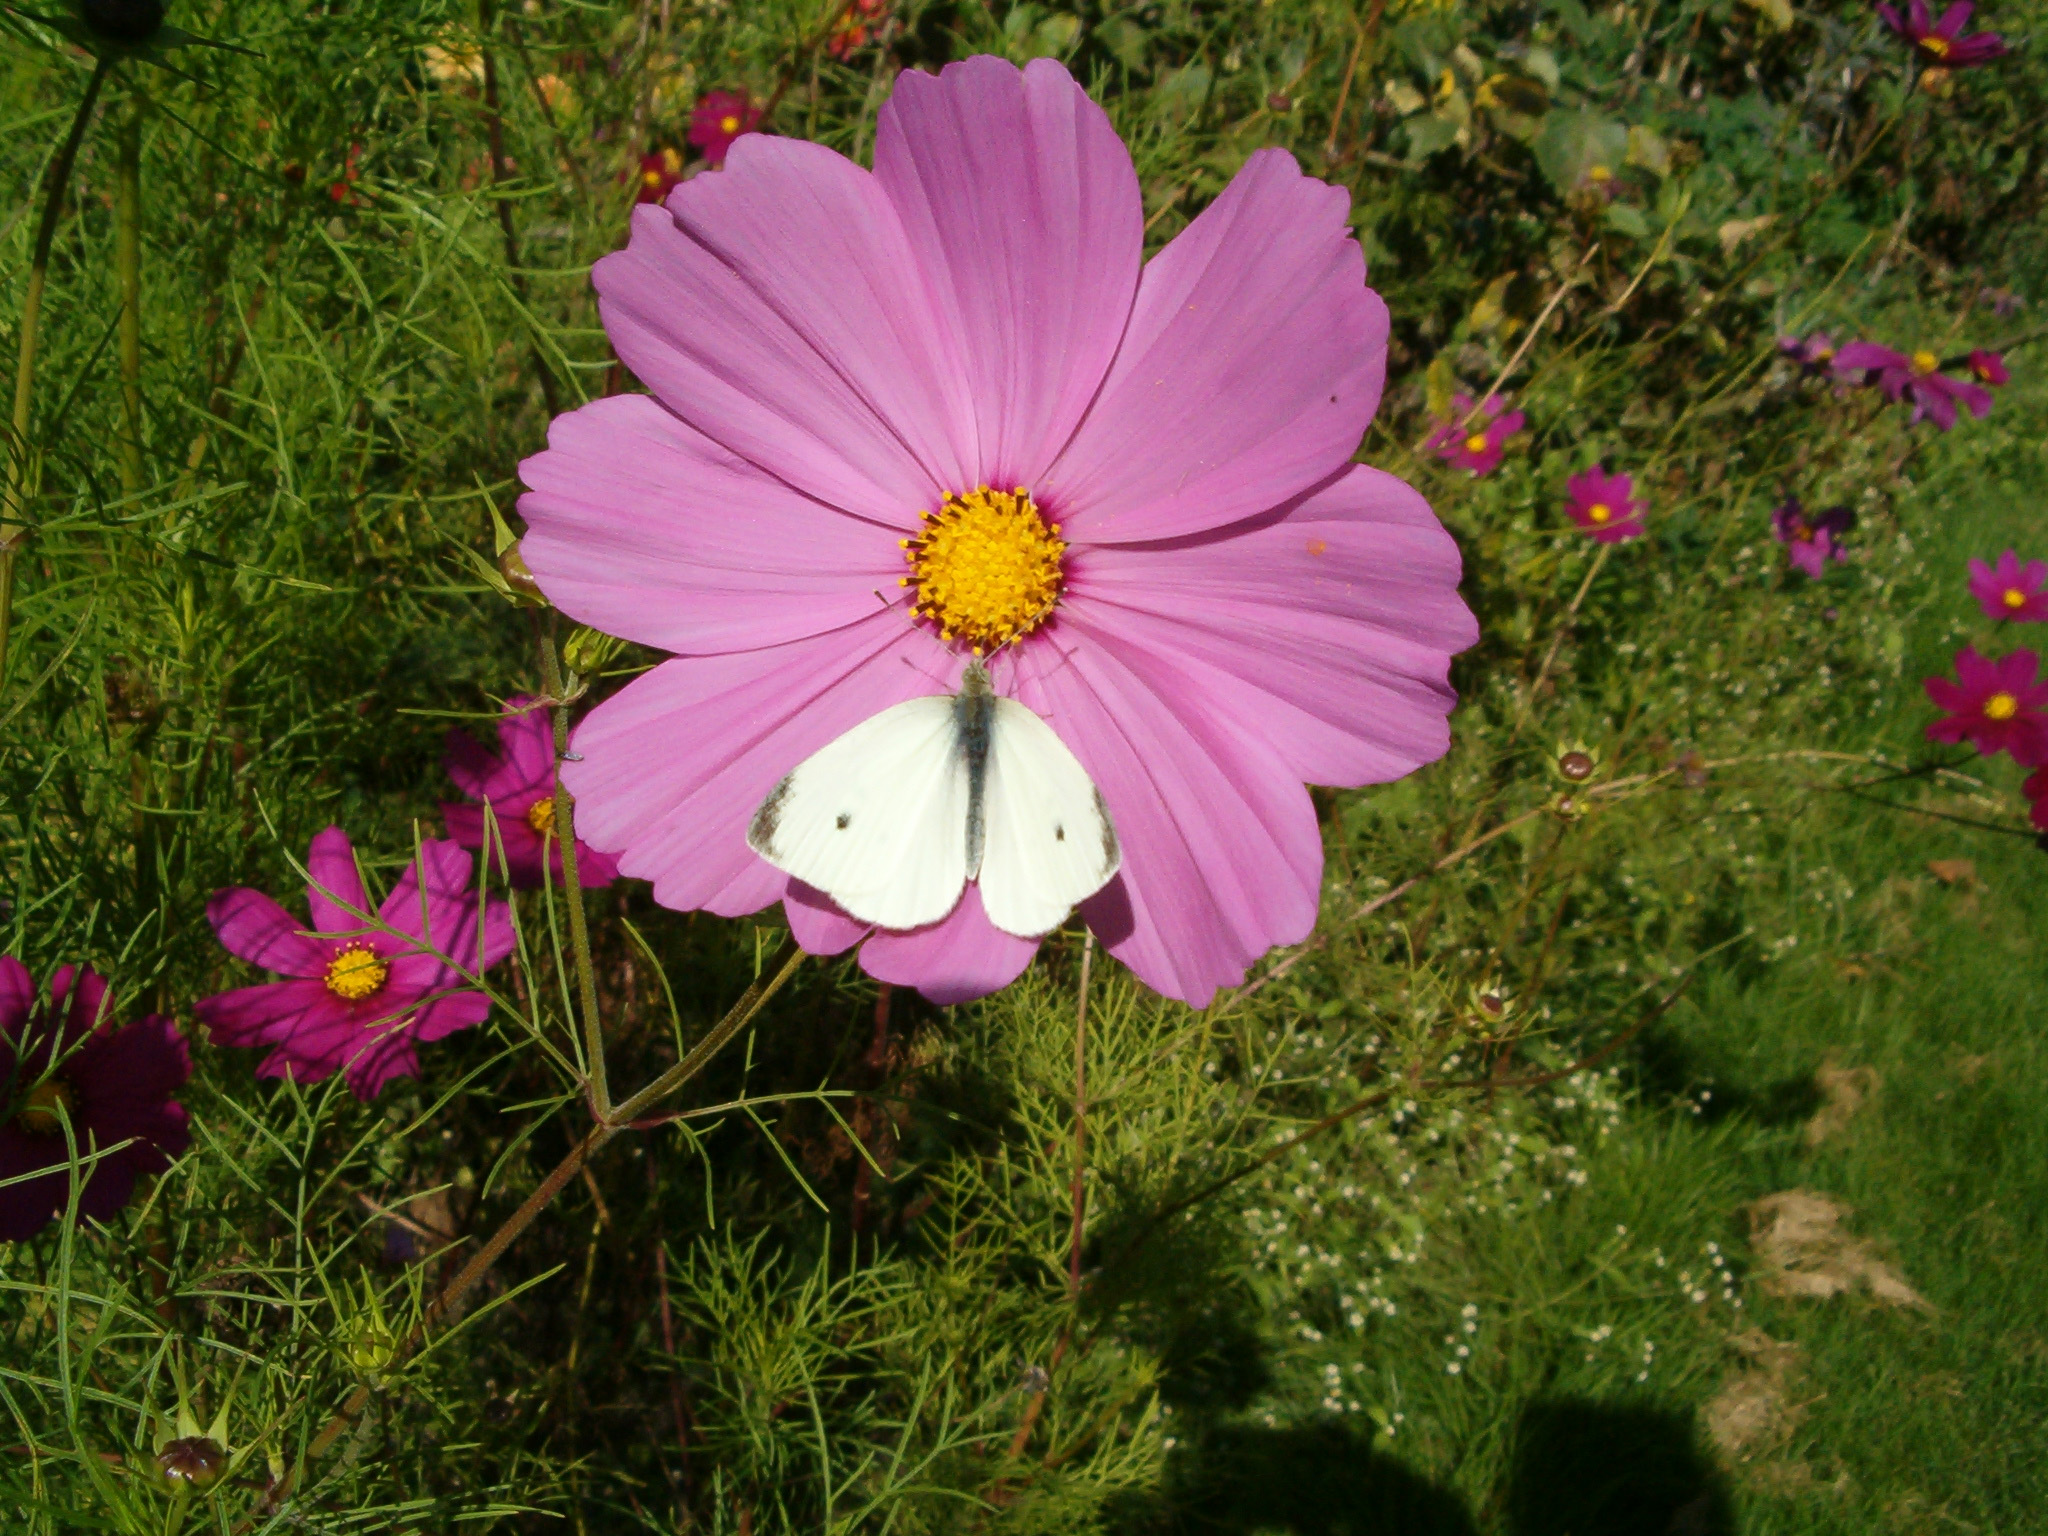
[(194, 1462), (586, 650), (512, 566), (1576, 766)]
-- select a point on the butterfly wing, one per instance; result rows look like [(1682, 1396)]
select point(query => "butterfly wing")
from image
[(1047, 841), (877, 819)]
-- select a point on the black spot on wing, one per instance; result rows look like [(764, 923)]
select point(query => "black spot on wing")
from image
[(1059, 833), (842, 820), (767, 821)]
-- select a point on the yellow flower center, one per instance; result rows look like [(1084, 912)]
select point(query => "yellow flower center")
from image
[(2015, 598), (2001, 706), (1925, 362), (1600, 173), (1476, 443), (728, 124), (986, 567), (1599, 512), (650, 178), (1938, 46), (45, 1108), (541, 816), (356, 973)]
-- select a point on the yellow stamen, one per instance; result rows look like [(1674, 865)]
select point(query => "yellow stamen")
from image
[(1600, 173), (650, 178), (45, 1108), (1925, 362), (2015, 598), (728, 124), (2001, 706), (1937, 46), (1599, 512), (541, 816), (986, 567), (356, 973), (1476, 443)]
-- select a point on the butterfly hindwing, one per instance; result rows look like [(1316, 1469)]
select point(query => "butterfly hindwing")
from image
[(877, 818), (1047, 842)]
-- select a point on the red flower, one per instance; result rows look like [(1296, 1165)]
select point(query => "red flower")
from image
[(659, 172), (856, 25), (721, 117), (1997, 706), (343, 191)]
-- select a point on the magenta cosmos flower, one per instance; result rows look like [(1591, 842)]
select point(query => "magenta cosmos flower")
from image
[(1814, 354), (1996, 705), (720, 118), (1604, 505), (1941, 43), (659, 172), (518, 783), (1988, 368), (362, 988), (2036, 791), (2010, 590), (1476, 445), (64, 1060), (1917, 375), (946, 407), (1811, 540)]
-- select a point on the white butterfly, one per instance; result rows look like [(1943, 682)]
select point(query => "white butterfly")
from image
[(895, 817)]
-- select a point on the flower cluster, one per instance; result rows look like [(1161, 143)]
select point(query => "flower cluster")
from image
[(2000, 704)]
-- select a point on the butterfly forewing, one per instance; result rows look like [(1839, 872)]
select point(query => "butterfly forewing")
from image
[(1047, 839), (877, 819)]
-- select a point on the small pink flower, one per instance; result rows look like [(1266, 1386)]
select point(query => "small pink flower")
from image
[(2010, 590), (1916, 375), (64, 1060), (1988, 368), (1477, 446), (658, 174), (1814, 354), (1995, 704), (362, 991), (518, 783), (1811, 541), (2036, 791), (1940, 43), (1604, 505), (721, 117)]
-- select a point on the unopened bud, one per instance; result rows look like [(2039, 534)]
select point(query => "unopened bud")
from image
[(1576, 766), (512, 566), (195, 1462), (587, 650)]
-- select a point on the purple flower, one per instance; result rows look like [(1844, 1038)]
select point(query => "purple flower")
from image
[(719, 119), (518, 782), (1918, 375), (1814, 354), (1604, 505), (65, 1060), (1940, 43), (2011, 590), (2036, 791), (1988, 368), (358, 997), (818, 513), (1811, 541), (1995, 704), (1476, 447)]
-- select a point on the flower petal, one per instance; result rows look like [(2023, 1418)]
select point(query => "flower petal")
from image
[(960, 957), (272, 1013), (770, 307), (1023, 210), (817, 922), (1326, 629), (1251, 366), (643, 527), (254, 928), (334, 894)]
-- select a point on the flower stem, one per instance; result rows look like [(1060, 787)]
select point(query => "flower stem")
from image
[(128, 267), (579, 924), (1080, 1180), (58, 178)]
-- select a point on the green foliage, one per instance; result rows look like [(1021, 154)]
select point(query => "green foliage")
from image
[(844, 1288)]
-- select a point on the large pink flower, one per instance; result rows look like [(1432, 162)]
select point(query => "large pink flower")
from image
[(1179, 568), (362, 989)]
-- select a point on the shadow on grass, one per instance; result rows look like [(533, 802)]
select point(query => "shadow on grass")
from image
[(1596, 1469), (1665, 1067)]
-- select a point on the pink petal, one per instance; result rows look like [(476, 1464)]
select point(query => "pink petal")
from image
[(1252, 363), (526, 735), (380, 1061), (1222, 855), (17, 996), (772, 308), (961, 957), (335, 892), (817, 923), (254, 928), (675, 764), (645, 528), (472, 768), (131, 1070), (1325, 631), (274, 1012), (1023, 212), (443, 1016)]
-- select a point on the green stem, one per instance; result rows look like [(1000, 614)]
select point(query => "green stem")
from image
[(12, 530), (579, 926), (128, 266)]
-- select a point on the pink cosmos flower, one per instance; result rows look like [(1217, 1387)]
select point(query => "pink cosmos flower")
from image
[(1811, 540), (518, 782), (1940, 43), (1988, 368), (1919, 375), (719, 118), (1604, 505), (1995, 704), (65, 1060), (1478, 446), (358, 998), (2036, 791), (2010, 590), (1814, 354), (950, 408)]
